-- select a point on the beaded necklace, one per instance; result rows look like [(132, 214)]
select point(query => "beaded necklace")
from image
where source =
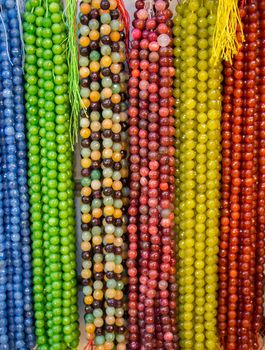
[(104, 171), (17, 274), (152, 312), (50, 176), (198, 87)]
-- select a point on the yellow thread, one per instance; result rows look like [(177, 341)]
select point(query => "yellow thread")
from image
[(225, 41)]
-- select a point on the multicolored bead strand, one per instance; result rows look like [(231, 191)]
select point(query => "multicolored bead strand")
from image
[(198, 92), (16, 208), (50, 177), (104, 171)]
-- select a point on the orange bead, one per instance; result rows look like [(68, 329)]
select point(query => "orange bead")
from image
[(116, 156), (97, 240), (86, 191), (109, 239), (85, 133), (85, 8), (117, 185), (84, 41), (85, 102), (94, 96), (95, 155), (107, 124), (97, 213), (86, 218), (94, 35), (116, 128), (115, 68), (98, 267), (113, 4), (107, 182), (116, 98), (117, 213), (115, 36), (94, 66)]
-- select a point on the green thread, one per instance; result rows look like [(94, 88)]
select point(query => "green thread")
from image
[(73, 71)]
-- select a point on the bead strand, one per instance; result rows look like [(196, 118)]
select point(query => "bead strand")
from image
[(13, 191), (225, 202), (166, 283), (31, 79), (3, 257), (133, 210), (259, 274)]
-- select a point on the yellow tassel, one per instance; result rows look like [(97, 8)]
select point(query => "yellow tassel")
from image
[(225, 41)]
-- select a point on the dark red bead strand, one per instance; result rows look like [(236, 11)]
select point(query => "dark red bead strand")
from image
[(225, 202), (133, 227), (246, 246), (260, 229)]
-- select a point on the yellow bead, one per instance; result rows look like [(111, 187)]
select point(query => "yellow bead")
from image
[(85, 246), (98, 294), (107, 182), (108, 210), (105, 61), (98, 322), (90, 328), (110, 320), (96, 3), (106, 93), (94, 35), (86, 218), (121, 26), (110, 293), (94, 66), (105, 29), (85, 103), (119, 321), (97, 240), (107, 124), (86, 273), (85, 133), (113, 4), (116, 157), (115, 68), (107, 153), (109, 266), (116, 128), (85, 163), (117, 213), (118, 268), (88, 299), (86, 191), (84, 72), (118, 241)]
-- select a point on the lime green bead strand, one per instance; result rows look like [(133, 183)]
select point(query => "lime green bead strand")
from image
[(35, 176)]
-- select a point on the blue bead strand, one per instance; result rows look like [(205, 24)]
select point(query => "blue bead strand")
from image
[(21, 319), (18, 91), (3, 260), (6, 81)]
